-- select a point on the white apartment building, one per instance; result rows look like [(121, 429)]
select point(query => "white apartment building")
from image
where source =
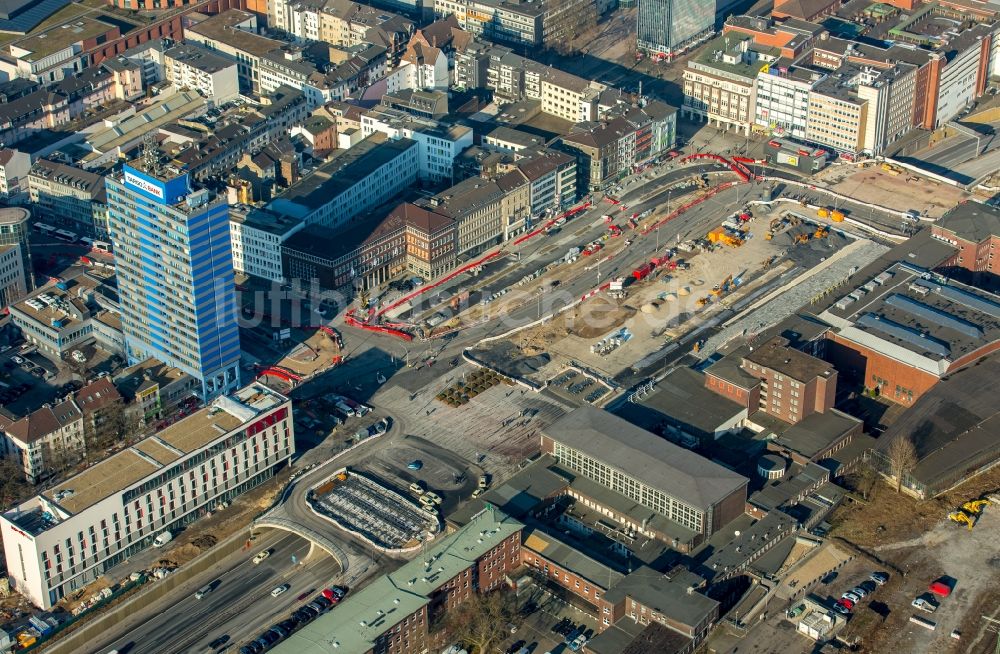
[(195, 67), (13, 284), (437, 145), (233, 34), (567, 96), (355, 181), (257, 235), (69, 535), (782, 99), (14, 167), (45, 440)]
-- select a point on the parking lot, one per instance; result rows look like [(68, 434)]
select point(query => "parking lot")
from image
[(573, 386), (542, 613), (381, 515)]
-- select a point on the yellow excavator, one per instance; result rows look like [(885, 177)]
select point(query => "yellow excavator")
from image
[(962, 517), (969, 513)]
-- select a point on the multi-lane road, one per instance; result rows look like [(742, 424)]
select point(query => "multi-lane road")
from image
[(241, 605)]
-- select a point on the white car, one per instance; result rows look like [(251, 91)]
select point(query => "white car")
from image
[(278, 590), (923, 605), (16, 359), (263, 554)]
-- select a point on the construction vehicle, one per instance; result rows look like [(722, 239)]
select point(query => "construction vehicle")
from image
[(720, 235), (701, 182), (803, 238), (821, 231), (962, 517), (975, 507), (823, 212), (837, 216), (702, 301), (891, 168), (724, 287)]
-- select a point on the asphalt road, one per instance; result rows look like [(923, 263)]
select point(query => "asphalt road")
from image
[(241, 605)]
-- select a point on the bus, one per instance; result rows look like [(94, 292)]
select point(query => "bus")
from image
[(42, 228), (64, 235)]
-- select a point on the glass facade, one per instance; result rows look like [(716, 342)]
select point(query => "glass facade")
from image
[(667, 25), (175, 277), (630, 487)]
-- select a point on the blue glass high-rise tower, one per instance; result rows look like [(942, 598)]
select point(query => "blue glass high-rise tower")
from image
[(175, 274)]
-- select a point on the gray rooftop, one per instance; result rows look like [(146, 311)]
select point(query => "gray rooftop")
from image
[(954, 424), (638, 453), (682, 397), (751, 543), (570, 558), (926, 321), (817, 432), (971, 221), (674, 596), (199, 57), (340, 173)]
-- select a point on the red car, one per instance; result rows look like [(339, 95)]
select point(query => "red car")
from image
[(940, 588)]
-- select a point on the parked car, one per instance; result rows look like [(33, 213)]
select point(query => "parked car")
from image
[(850, 596), (923, 605), (219, 642), (860, 592), (879, 578)]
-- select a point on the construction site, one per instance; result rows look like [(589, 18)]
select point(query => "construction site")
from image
[(693, 283)]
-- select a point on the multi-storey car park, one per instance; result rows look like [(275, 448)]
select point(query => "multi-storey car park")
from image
[(72, 533)]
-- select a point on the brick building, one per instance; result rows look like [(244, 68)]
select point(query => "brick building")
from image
[(904, 329), (973, 229), (398, 612)]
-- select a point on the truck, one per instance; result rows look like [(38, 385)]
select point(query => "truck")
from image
[(923, 605), (163, 539), (343, 408), (642, 272)]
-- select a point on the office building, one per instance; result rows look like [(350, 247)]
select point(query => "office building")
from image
[(60, 317), (352, 182), (70, 534), (257, 235), (193, 66), (698, 497), (175, 273), (14, 232), (70, 197), (233, 33), (396, 611), (14, 167), (437, 145), (13, 284), (668, 27)]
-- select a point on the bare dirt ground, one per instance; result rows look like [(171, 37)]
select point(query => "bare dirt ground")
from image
[(315, 353), (917, 538), (902, 192)]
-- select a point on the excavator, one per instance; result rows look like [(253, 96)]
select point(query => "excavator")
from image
[(970, 512), (962, 517)]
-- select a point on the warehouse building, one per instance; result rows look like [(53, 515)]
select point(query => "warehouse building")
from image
[(904, 329)]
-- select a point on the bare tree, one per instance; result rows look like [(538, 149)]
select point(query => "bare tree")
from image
[(481, 620), (902, 458), (114, 424), (13, 486)]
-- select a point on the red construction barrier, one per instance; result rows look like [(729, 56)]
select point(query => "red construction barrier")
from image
[(280, 373), (349, 319), (741, 171), (663, 221)]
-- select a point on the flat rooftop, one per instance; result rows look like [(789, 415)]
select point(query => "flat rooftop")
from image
[(776, 354), (128, 467), (363, 616), (682, 398), (199, 57), (224, 29), (44, 44), (340, 173), (639, 454), (263, 220), (923, 319), (816, 432), (59, 306)]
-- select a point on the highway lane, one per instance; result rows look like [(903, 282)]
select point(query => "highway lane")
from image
[(240, 606)]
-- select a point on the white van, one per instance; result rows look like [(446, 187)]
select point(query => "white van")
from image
[(163, 539)]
